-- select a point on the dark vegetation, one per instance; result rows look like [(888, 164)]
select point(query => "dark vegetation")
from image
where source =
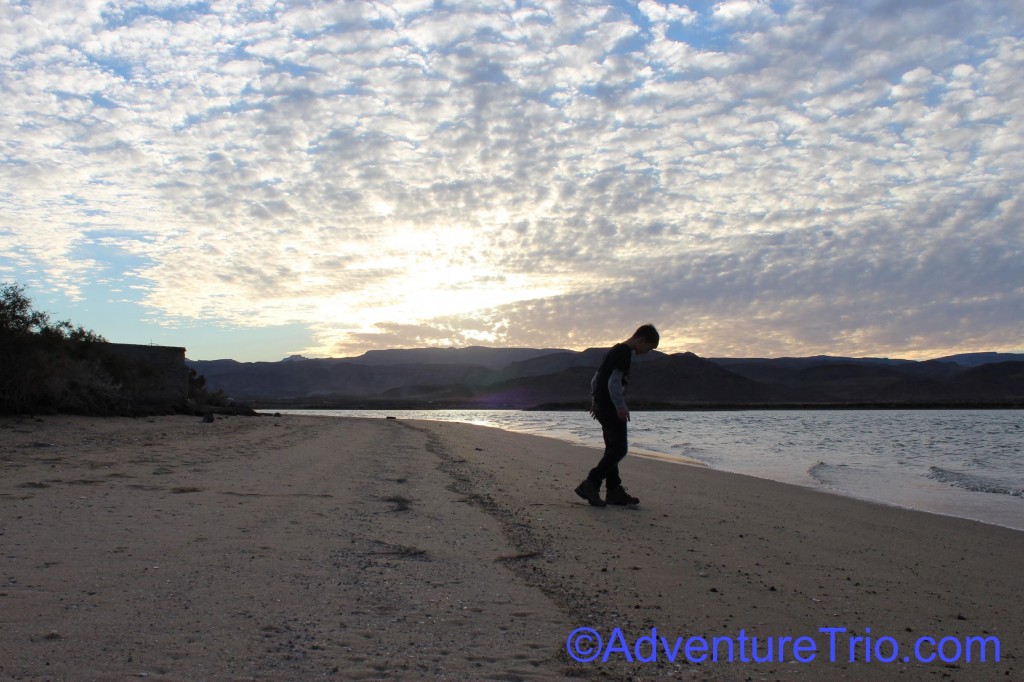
[(202, 400), (49, 367)]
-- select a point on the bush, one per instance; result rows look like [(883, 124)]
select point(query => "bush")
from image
[(51, 366), (19, 320), (201, 399)]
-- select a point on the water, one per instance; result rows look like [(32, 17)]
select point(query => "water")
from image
[(966, 463)]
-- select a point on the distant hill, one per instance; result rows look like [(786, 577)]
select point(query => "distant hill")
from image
[(492, 358), (977, 359), (518, 378)]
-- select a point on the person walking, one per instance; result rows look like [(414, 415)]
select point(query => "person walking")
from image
[(608, 407)]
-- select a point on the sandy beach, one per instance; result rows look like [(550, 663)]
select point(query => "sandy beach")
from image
[(301, 548)]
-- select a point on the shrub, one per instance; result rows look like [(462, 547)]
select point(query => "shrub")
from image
[(51, 366)]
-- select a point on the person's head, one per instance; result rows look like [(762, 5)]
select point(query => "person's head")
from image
[(645, 339)]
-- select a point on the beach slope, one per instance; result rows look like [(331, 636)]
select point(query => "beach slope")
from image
[(298, 548)]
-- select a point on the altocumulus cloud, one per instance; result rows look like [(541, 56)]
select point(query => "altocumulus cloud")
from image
[(757, 177)]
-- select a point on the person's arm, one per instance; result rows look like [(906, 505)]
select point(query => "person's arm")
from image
[(618, 395)]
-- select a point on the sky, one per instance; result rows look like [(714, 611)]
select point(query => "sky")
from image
[(767, 178)]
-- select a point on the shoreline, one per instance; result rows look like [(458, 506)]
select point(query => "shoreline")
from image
[(988, 512), (428, 405), (673, 459), (302, 547)]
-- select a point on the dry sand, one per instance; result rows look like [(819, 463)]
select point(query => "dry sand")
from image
[(302, 548)]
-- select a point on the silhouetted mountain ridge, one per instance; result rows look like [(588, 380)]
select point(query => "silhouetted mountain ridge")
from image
[(492, 358), (480, 377)]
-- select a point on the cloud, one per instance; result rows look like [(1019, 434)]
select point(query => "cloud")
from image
[(666, 12), (733, 12), (756, 178)]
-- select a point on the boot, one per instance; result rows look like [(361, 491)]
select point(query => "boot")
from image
[(590, 492), (618, 495)]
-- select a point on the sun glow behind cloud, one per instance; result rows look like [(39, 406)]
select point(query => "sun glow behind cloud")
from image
[(756, 177)]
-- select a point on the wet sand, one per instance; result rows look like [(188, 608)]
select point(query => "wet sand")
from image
[(299, 548)]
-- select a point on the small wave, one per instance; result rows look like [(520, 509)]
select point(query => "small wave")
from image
[(827, 474), (978, 484)]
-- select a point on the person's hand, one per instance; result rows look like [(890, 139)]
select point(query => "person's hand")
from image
[(624, 414)]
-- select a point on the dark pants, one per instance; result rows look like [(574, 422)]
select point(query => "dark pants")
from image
[(615, 447)]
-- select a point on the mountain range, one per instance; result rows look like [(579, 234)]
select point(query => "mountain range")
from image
[(525, 378)]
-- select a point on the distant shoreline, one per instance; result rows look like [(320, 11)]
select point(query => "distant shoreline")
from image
[(263, 406), (470, 379)]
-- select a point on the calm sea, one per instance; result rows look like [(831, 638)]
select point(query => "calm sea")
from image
[(966, 463)]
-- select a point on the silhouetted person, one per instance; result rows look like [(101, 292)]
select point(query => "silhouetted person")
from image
[(608, 389)]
